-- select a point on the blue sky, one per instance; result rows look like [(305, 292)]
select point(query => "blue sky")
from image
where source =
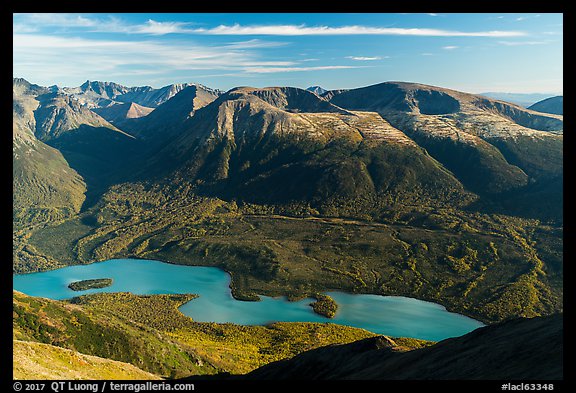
[(473, 52)]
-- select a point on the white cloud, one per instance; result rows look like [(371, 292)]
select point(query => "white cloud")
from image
[(520, 43), (299, 30), (160, 28), (60, 20), (110, 24), (56, 57), (113, 24), (23, 28), (51, 59), (449, 47), (255, 43), (267, 70), (364, 58), (521, 18)]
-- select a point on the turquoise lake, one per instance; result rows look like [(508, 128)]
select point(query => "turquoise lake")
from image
[(389, 315)]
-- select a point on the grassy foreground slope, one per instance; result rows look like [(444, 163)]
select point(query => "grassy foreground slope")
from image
[(34, 360), (100, 334), (151, 334)]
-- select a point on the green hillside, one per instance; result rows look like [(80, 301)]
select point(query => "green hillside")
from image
[(151, 334)]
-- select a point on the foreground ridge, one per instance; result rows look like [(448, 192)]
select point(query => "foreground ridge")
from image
[(520, 349)]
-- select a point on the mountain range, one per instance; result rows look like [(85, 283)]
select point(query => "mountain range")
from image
[(413, 113), (393, 189), (95, 94)]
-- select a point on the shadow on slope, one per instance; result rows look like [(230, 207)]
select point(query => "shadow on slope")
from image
[(518, 349)]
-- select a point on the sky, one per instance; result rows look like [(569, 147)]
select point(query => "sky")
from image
[(471, 52)]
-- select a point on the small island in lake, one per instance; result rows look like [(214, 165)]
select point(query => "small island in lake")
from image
[(324, 305), (90, 284)]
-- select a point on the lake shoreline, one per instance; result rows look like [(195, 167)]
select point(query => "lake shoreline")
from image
[(293, 296), (389, 315)]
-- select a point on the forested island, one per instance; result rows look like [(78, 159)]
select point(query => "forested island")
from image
[(84, 285)]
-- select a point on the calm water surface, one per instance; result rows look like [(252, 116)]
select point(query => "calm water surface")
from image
[(390, 315)]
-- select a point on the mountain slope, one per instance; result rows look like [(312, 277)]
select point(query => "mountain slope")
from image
[(118, 113), (554, 105), (428, 113), (58, 114), (502, 118), (93, 147), (45, 188), (491, 146), (43, 361), (93, 94), (286, 145), (331, 93), (167, 119), (521, 349), (154, 97), (101, 334)]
